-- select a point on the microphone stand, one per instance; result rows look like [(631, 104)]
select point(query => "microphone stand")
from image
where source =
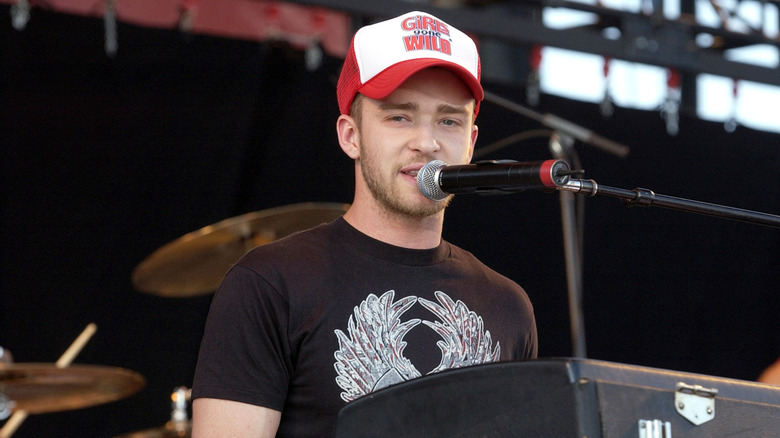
[(561, 141), (561, 148), (565, 132), (647, 198)]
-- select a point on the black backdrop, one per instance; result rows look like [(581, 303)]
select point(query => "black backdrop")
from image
[(105, 160)]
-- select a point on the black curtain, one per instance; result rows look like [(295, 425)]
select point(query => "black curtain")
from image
[(106, 159)]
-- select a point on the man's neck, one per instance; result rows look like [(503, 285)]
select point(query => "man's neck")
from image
[(397, 229)]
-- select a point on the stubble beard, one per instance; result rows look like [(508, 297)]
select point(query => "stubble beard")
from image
[(389, 195)]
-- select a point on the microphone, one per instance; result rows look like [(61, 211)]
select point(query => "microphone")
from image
[(436, 180)]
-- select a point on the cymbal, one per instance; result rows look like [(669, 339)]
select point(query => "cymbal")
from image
[(195, 263), (172, 429), (41, 388)]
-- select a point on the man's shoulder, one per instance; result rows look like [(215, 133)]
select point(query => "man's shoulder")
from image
[(292, 247)]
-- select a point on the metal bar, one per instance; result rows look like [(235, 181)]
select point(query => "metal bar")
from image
[(645, 40)]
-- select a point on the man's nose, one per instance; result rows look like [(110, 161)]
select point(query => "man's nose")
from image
[(425, 139)]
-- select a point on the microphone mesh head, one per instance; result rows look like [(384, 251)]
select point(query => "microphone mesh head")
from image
[(427, 180)]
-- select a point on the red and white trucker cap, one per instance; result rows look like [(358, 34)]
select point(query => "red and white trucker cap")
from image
[(383, 55)]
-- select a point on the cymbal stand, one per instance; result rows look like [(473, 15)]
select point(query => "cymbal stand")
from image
[(179, 415)]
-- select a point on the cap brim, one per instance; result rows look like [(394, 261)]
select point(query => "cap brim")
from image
[(384, 83)]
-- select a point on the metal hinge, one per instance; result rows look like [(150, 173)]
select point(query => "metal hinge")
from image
[(695, 403)]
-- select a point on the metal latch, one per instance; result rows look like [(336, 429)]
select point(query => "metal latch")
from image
[(654, 429), (694, 402)]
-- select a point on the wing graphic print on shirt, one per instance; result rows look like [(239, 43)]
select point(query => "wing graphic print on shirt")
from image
[(465, 340), (372, 358)]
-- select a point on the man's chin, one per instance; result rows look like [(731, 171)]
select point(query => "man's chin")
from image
[(426, 208)]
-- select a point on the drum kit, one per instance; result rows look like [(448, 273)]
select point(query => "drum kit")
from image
[(191, 265)]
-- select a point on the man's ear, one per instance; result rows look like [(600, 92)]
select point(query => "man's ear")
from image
[(474, 135), (348, 136)]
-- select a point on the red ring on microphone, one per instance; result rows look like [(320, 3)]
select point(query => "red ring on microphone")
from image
[(545, 173)]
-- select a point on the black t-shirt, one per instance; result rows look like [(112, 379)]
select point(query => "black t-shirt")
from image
[(309, 322)]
